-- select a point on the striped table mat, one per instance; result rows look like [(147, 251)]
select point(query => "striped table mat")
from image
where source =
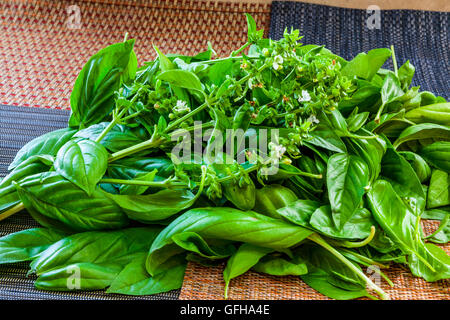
[(40, 57)]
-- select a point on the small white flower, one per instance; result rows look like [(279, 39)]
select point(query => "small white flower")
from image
[(277, 62), (276, 151), (181, 106), (312, 119), (304, 97)]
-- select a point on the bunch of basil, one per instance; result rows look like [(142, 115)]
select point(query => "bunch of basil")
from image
[(363, 157)]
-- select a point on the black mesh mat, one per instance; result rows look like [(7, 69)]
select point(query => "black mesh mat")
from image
[(18, 125), (420, 36)]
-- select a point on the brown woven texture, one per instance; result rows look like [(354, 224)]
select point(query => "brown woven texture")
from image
[(40, 56), (203, 283)]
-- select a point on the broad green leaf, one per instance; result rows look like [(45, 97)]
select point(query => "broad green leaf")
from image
[(442, 233), (191, 241), (57, 203), (118, 138), (32, 165), (299, 212), (357, 227), (227, 224), (439, 189), (405, 74), (135, 280), (92, 97), (423, 131), (83, 163), (272, 197), (364, 65), (436, 214), (25, 245), (391, 88), (401, 226), (438, 113), (329, 275), (438, 259), (355, 122), (371, 151), (278, 266), (47, 144), (347, 176), (8, 198), (323, 136), (156, 206), (78, 276), (243, 260), (438, 154), (419, 165), (404, 180), (100, 248), (182, 79)]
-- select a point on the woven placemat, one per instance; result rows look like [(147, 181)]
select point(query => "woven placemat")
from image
[(18, 125), (202, 282), (40, 56)]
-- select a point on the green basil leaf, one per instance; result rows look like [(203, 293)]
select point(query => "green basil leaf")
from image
[(325, 137), (243, 260), (25, 245), (193, 242), (154, 207), (135, 189), (438, 113), (396, 170), (328, 275), (100, 248), (57, 203), (442, 233), (47, 144), (355, 122), (278, 266), (357, 227), (419, 165), (364, 65), (299, 212), (83, 163), (439, 189), (371, 151), (92, 97), (405, 74), (78, 276), (135, 280), (182, 79), (438, 154), (435, 256), (423, 131), (118, 138), (391, 89), (401, 226), (272, 197), (346, 179), (228, 224), (33, 165)]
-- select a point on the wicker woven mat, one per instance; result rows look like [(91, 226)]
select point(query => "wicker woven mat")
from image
[(42, 51)]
